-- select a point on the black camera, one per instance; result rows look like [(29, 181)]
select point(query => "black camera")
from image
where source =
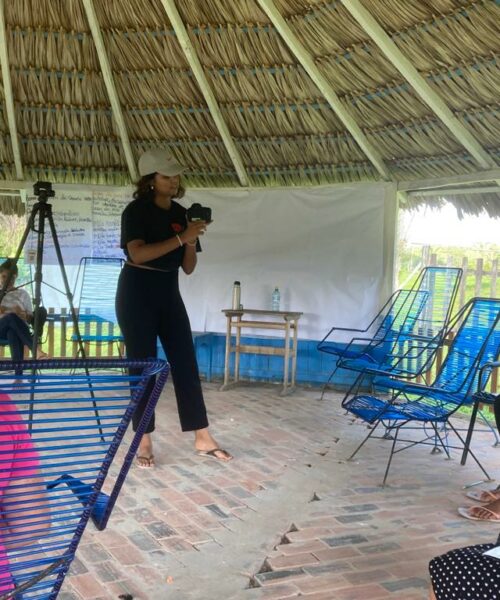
[(197, 212), (43, 189)]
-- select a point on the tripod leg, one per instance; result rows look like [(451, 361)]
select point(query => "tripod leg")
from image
[(41, 209)]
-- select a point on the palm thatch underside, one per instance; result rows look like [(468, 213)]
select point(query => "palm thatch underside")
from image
[(88, 85)]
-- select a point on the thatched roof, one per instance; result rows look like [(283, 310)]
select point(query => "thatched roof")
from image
[(274, 121)]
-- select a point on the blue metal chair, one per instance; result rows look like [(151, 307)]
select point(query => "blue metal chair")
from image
[(97, 280), (411, 406), (51, 481), (404, 336)]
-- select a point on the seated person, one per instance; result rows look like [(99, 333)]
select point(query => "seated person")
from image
[(490, 511), (465, 574), (15, 313), (20, 484)]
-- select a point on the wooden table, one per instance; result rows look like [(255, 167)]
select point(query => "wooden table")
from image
[(262, 319)]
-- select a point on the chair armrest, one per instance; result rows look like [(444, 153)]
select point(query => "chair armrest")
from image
[(333, 329), (367, 342), (489, 365), (422, 388)]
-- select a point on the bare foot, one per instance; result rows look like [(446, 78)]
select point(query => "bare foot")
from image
[(206, 445), (41, 355), (145, 458)]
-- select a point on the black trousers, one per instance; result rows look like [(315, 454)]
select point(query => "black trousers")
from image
[(18, 334), (149, 306)]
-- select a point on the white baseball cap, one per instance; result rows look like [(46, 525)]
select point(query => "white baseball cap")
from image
[(159, 161)]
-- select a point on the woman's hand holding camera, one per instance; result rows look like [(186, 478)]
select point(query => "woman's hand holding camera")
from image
[(193, 230)]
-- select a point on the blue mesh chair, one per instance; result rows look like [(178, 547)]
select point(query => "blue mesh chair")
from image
[(404, 336), (97, 280), (410, 406), (51, 479)]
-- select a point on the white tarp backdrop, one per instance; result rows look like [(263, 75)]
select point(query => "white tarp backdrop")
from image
[(323, 247)]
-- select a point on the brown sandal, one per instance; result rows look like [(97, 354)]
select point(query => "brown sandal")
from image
[(226, 457), (466, 512), (148, 461)]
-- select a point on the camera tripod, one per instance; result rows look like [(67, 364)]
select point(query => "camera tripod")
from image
[(43, 190)]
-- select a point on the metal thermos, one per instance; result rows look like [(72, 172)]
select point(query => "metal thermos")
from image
[(236, 295)]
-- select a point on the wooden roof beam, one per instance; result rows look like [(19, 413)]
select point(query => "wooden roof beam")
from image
[(307, 62), (199, 73), (460, 191), (9, 96), (422, 184), (419, 83), (107, 75)]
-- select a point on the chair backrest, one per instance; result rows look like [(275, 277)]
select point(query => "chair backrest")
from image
[(97, 281), (476, 342), (50, 481), (424, 309), (415, 323), (441, 284), (401, 313)]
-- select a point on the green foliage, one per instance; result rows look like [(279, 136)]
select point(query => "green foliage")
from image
[(479, 263), (11, 231)]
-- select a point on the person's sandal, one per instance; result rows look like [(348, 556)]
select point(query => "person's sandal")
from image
[(148, 462), (484, 495), (465, 512), (226, 457)]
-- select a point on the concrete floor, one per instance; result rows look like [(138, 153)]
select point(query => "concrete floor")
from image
[(287, 518)]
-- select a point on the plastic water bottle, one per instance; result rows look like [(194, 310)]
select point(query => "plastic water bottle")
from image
[(236, 295), (275, 299)]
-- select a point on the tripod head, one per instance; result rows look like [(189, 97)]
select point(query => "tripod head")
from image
[(43, 190)]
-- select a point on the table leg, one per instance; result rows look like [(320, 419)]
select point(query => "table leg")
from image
[(228, 351), (237, 354), (294, 351), (287, 358)]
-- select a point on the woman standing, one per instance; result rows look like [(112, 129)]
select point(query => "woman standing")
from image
[(158, 240)]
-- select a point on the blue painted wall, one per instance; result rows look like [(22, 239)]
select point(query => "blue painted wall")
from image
[(313, 367)]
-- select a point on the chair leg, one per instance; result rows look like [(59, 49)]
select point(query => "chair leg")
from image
[(364, 441), (123, 370), (395, 439), (436, 449), (323, 389), (469, 451), (438, 437), (491, 428), (353, 390), (470, 431)]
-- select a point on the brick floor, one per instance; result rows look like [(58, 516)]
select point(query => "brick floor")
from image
[(349, 540)]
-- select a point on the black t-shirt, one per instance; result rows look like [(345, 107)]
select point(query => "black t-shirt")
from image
[(144, 220)]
